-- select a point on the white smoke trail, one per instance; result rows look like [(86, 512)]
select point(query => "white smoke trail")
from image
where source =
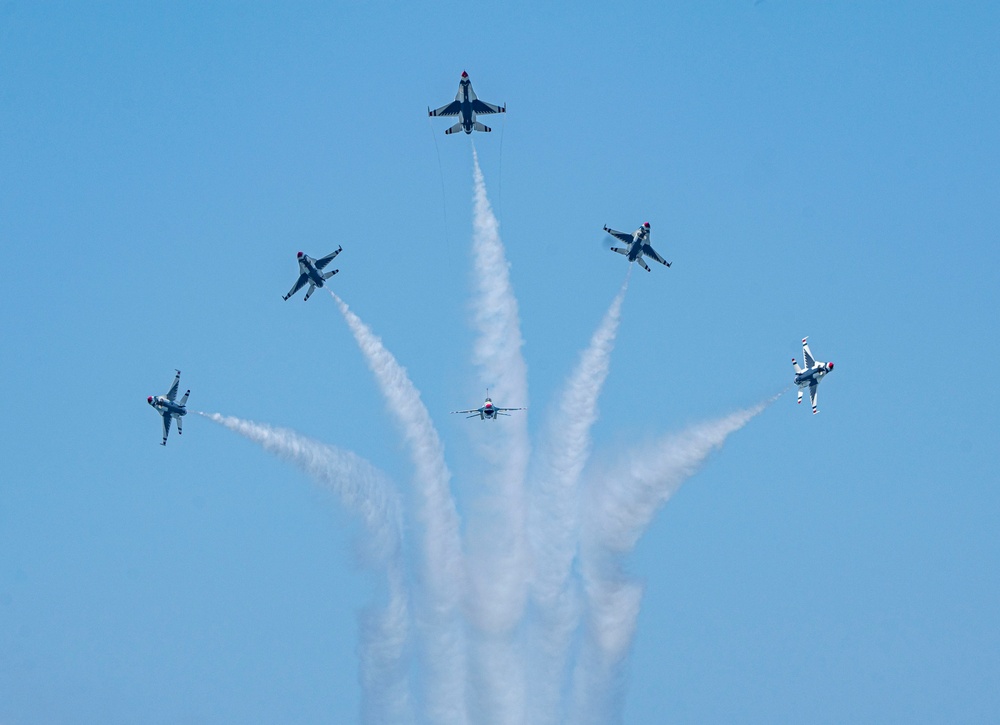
[(622, 503), (497, 549), (555, 511), (441, 551), (366, 491)]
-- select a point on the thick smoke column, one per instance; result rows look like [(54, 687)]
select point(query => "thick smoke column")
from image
[(555, 514), (441, 552), (367, 492), (497, 549), (621, 504)]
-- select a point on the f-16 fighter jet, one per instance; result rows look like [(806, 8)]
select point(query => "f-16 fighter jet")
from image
[(811, 374), (637, 245), (488, 411), (167, 407), (310, 271), (466, 106)]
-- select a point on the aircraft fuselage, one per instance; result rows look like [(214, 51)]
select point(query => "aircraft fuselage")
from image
[(309, 269), (813, 374), (163, 405), (466, 113), (639, 237)]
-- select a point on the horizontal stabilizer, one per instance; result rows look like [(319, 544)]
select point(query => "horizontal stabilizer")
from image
[(184, 401), (330, 274), (477, 126), (455, 129), (620, 251)]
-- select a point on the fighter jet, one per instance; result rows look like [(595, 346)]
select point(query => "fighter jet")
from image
[(488, 411), (310, 269), (637, 245), (466, 106), (811, 375), (168, 408)]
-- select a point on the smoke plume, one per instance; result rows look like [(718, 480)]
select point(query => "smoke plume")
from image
[(441, 555), (367, 492), (620, 504)]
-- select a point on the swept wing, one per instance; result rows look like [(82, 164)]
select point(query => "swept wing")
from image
[(303, 278), (172, 393), (449, 109), (323, 261), (807, 354), (166, 426), (623, 236), (482, 107), (652, 254)]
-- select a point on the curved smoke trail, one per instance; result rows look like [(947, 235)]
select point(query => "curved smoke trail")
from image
[(367, 492), (555, 513), (621, 504), (442, 554), (497, 547)]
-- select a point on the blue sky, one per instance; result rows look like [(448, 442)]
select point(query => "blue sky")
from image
[(822, 169)]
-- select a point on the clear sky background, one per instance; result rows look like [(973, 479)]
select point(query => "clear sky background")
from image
[(825, 169)]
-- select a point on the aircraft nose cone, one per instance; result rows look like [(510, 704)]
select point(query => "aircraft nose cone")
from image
[(829, 366), (299, 255), (149, 399), (464, 74)]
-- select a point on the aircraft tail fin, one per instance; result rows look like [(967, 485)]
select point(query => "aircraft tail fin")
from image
[(179, 430), (183, 402), (800, 396), (330, 274), (454, 129), (477, 126), (312, 288)]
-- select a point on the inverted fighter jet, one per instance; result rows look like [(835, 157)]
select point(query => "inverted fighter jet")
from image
[(637, 245), (488, 411), (310, 271), (167, 407), (466, 106), (811, 374)]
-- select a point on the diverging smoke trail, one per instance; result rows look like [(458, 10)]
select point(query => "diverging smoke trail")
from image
[(442, 565), (621, 504), (367, 492), (497, 548), (554, 515)]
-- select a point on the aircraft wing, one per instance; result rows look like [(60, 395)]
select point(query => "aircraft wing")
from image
[(652, 254), (482, 107), (813, 392), (623, 236), (172, 393), (166, 426), (323, 261), (449, 109), (807, 354), (503, 409), (477, 411), (303, 278)]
